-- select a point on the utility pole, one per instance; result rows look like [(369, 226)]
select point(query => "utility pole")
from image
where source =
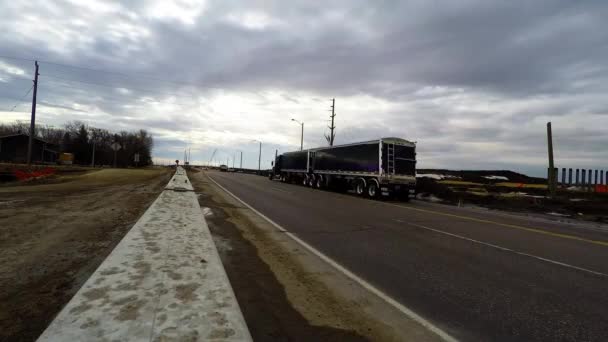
[(33, 119), (260, 159), (211, 159), (259, 156), (551, 175), (332, 134), (241, 166), (93, 157)]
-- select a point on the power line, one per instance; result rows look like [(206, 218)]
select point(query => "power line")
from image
[(108, 72), (122, 74), (11, 98), (22, 99), (114, 86), (114, 98), (17, 58)]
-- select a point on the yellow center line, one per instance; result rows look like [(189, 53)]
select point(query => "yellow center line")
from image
[(513, 226)]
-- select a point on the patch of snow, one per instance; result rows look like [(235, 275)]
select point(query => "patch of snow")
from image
[(535, 196), (496, 178), (11, 202), (552, 213), (430, 175), (207, 212), (436, 176), (428, 197)]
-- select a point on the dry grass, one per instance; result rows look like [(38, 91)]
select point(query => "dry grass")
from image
[(522, 185), (504, 184), (90, 179), (457, 182)]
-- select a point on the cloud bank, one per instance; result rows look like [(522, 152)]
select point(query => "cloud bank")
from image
[(473, 82)]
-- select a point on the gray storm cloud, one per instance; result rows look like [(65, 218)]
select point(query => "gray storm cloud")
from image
[(474, 82)]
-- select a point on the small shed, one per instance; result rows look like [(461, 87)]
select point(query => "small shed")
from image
[(13, 149)]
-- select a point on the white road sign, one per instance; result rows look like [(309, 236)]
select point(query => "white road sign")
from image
[(115, 146)]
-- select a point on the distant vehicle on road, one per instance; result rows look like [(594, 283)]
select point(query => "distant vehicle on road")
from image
[(224, 168), (383, 167)]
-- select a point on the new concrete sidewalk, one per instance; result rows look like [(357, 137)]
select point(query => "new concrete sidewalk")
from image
[(163, 282)]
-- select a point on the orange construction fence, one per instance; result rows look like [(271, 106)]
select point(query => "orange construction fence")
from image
[(601, 188)]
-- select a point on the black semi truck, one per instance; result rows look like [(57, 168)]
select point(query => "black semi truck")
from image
[(383, 167)]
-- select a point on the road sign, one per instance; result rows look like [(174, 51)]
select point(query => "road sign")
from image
[(115, 146), (136, 157)]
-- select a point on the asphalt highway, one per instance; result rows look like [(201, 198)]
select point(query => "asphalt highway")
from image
[(476, 275)]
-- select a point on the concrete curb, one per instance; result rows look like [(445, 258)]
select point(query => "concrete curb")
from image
[(163, 282)]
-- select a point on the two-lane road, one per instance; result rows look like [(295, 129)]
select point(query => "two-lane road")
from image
[(475, 275)]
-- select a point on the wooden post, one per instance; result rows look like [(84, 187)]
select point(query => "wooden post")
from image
[(583, 177), (595, 178), (33, 118), (551, 176)]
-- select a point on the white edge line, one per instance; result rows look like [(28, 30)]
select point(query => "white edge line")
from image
[(508, 250), (411, 314)]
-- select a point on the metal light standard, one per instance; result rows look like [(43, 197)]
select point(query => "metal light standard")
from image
[(259, 156), (302, 135)]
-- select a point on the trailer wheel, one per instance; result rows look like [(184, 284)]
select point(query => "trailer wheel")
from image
[(319, 182), (360, 187), (372, 189), (305, 180), (311, 181)]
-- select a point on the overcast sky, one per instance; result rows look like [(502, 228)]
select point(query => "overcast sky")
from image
[(473, 82)]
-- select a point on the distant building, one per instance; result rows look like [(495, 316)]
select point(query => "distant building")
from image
[(13, 149)]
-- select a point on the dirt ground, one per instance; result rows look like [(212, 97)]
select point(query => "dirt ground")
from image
[(281, 300), (53, 236)]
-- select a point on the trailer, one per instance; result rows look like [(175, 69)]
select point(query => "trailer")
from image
[(383, 167)]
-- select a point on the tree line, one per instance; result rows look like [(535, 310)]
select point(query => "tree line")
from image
[(80, 139)]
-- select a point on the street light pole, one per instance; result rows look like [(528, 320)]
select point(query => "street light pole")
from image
[(260, 159), (259, 156), (302, 135)]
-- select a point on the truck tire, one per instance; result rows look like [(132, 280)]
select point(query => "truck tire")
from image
[(373, 190), (305, 180), (311, 181), (319, 182), (360, 187)]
